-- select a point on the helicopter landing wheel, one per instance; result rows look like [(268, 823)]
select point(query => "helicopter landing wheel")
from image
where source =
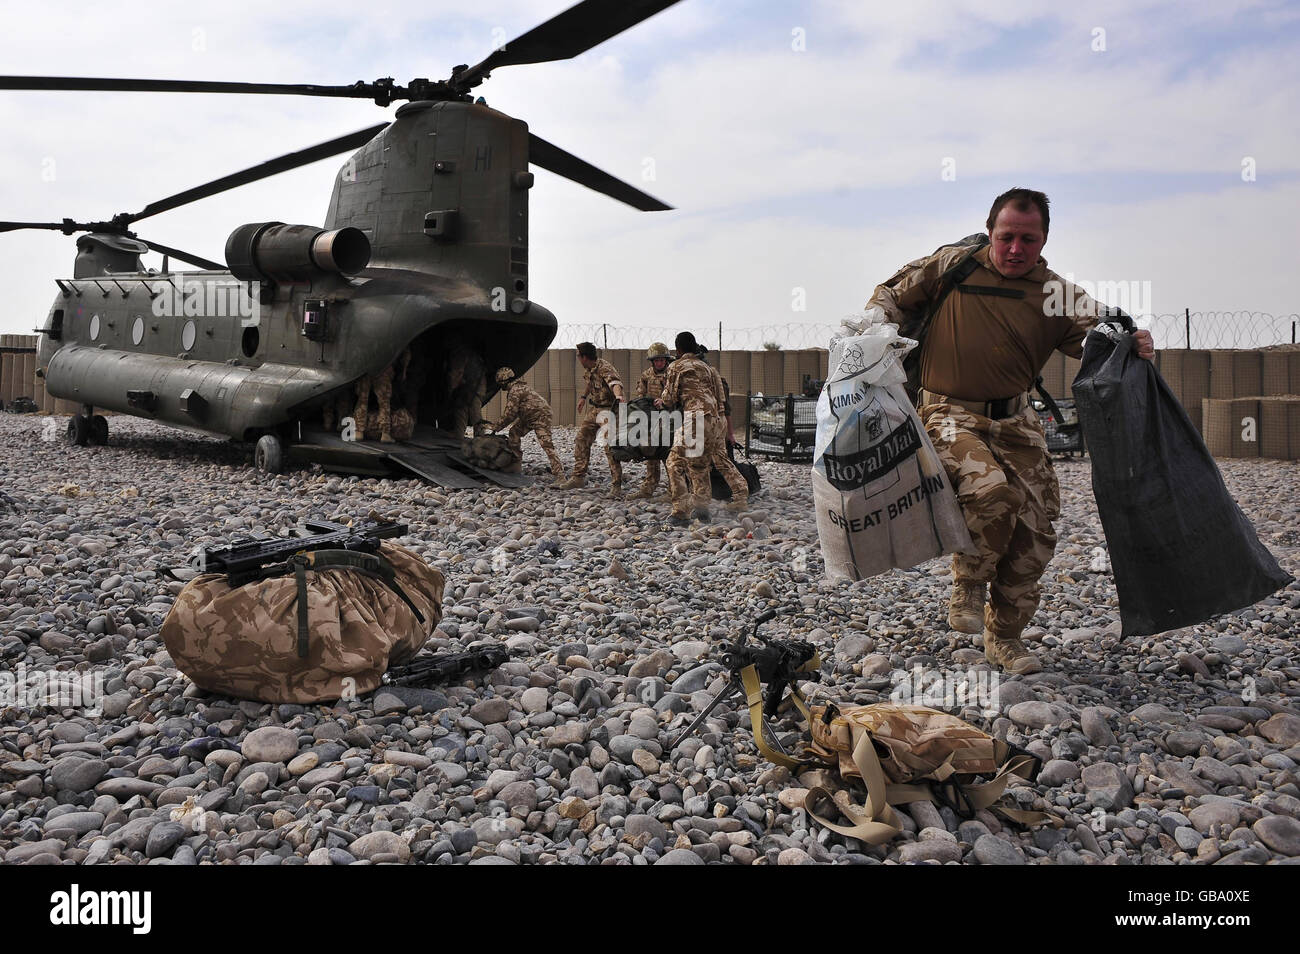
[(78, 430), (99, 429), (269, 455)]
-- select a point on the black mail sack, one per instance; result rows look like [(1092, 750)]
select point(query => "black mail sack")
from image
[(1180, 547)]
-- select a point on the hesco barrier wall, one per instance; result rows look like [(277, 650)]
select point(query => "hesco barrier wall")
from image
[(1245, 403), (18, 375)]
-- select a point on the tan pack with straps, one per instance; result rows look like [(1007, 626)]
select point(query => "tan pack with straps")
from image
[(905, 753)]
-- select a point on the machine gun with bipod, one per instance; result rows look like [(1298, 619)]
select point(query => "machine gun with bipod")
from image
[(776, 662)]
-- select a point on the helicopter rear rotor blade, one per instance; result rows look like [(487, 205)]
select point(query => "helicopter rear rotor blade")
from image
[(554, 159), (271, 167), (185, 256), (566, 35)]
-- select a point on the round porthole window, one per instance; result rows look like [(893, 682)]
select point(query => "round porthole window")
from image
[(94, 327), (188, 334), (137, 330)]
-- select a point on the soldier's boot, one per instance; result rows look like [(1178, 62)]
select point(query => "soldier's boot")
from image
[(738, 504), (574, 482), (615, 491), (1011, 654), (557, 468), (557, 473), (966, 606), (679, 519), (645, 493)]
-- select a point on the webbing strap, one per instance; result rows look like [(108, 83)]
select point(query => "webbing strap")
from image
[(992, 291), (1052, 407), (754, 699), (368, 564), (299, 563), (873, 823)]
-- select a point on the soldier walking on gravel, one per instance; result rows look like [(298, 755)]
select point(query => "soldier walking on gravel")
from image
[(720, 446), (603, 388), (691, 388), (651, 384), (985, 346), (525, 411)]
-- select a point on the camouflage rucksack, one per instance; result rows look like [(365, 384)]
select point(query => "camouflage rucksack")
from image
[(363, 613), (905, 753), (493, 452)]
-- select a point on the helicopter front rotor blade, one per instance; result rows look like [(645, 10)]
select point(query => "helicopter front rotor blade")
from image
[(269, 168), (103, 84), (15, 226), (554, 159), (185, 256), (566, 35)]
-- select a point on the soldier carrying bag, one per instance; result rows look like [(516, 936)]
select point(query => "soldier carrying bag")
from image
[(323, 624)]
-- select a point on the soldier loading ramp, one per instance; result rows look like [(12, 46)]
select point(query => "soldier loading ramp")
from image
[(428, 455)]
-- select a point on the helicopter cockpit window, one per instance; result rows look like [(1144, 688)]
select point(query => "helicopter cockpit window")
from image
[(94, 327), (137, 330), (188, 334)]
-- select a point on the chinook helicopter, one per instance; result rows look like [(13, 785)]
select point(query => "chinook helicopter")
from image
[(422, 260)]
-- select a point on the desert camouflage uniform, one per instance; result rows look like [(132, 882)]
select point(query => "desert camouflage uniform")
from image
[(690, 387), (338, 407), (651, 384), (382, 386), (599, 392), (718, 455), (464, 390), (985, 347), (525, 411), (1009, 496)]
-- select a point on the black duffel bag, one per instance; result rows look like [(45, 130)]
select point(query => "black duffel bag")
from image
[(1180, 547), (641, 432), (718, 483)]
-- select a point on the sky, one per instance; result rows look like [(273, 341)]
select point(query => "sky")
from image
[(810, 147)]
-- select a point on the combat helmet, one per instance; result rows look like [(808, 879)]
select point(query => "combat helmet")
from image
[(504, 375), (657, 350)]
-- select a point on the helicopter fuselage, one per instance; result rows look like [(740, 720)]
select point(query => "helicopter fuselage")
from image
[(194, 349)]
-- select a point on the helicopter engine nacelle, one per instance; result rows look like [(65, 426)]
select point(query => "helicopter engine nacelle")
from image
[(273, 251)]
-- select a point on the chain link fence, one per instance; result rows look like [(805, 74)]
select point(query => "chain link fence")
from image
[(1191, 329)]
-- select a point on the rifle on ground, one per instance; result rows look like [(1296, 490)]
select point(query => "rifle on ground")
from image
[(249, 560), (777, 662), (446, 667)]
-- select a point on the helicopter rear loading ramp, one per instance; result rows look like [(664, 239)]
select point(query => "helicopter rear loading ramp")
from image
[(439, 460)]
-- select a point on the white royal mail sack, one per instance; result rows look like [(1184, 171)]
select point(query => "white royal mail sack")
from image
[(883, 499)]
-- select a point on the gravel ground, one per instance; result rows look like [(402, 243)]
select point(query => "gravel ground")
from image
[(1180, 748)]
